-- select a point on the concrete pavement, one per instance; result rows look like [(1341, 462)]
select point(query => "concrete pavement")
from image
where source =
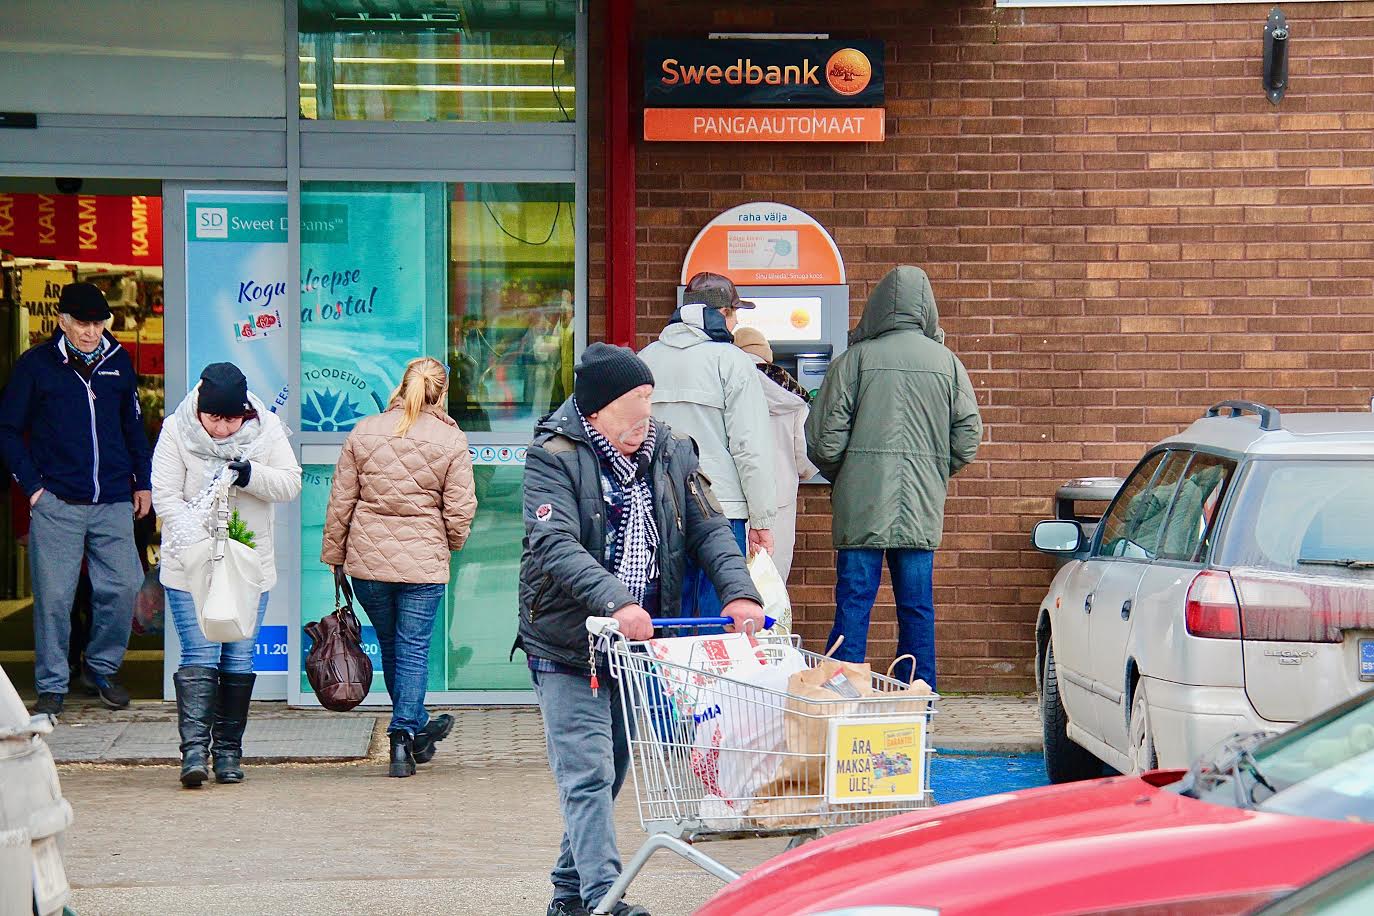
[(475, 832), (146, 731)]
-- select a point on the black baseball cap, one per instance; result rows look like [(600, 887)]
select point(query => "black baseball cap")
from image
[(708, 282)]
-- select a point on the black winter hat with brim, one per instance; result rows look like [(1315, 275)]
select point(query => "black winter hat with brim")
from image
[(84, 302), (223, 391), (605, 373)]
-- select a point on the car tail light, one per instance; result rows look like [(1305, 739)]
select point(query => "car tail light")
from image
[(1292, 608), (1212, 610)]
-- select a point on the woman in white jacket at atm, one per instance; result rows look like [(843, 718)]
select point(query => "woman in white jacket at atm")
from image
[(787, 413)]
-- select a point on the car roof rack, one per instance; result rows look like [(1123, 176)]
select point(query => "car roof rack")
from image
[(1269, 419)]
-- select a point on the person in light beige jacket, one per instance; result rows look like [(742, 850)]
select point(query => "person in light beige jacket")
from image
[(403, 499)]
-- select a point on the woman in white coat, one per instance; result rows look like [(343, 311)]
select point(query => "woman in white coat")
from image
[(787, 413), (220, 428)]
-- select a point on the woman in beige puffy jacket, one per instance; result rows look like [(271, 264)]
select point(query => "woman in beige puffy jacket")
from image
[(402, 501)]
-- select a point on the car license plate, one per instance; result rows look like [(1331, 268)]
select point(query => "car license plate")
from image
[(1367, 659), (50, 888)]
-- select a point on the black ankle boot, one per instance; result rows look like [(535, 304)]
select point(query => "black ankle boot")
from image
[(231, 717), (402, 754), (195, 688)]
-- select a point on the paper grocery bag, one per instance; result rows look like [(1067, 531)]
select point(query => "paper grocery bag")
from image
[(796, 794)]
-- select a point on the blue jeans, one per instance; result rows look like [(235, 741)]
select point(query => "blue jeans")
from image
[(699, 598), (199, 652), (589, 753), (403, 616), (858, 573)]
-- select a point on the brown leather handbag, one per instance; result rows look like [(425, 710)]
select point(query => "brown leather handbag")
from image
[(338, 669)]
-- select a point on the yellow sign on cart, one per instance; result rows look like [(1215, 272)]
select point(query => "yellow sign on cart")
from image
[(876, 760)]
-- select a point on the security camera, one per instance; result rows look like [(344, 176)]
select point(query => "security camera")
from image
[(69, 185)]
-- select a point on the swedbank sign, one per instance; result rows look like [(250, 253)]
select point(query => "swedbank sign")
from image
[(763, 90)]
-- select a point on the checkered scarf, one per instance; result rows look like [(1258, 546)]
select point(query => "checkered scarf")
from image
[(637, 562)]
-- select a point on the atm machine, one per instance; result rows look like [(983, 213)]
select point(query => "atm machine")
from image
[(785, 262)]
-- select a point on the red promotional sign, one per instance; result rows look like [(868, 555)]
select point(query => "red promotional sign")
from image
[(83, 227)]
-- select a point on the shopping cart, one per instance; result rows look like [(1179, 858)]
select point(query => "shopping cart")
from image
[(790, 765)]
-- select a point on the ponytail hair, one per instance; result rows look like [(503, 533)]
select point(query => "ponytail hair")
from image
[(423, 385)]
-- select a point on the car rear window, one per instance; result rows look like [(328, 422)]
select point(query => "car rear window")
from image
[(1309, 516)]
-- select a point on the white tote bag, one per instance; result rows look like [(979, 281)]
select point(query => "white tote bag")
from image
[(226, 582)]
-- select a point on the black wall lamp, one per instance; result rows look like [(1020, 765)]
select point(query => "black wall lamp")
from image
[(1275, 77)]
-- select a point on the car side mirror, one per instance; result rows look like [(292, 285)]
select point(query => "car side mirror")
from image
[(1058, 537)]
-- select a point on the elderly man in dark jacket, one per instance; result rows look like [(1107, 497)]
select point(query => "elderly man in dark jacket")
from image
[(71, 433), (614, 506)]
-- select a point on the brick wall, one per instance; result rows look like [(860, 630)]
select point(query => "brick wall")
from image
[(1119, 227)]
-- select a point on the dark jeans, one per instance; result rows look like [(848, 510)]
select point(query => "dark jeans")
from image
[(858, 573), (403, 616), (699, 598), (589, 754)]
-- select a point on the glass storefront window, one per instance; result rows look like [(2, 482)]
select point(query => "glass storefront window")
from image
[(372, 294), (112, 57), (511, 318), (511, 61), (482, 276)]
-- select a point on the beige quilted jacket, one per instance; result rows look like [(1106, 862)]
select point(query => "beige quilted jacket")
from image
[(400, 504)]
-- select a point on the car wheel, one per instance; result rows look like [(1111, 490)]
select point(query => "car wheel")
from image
[(1143, 756), (1065, 761)]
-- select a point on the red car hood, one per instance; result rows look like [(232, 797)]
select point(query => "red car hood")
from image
[(1062, 849)]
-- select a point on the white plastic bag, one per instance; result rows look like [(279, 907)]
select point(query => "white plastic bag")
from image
[(226, 583), (741, 736), (692, 659), (773, 590)]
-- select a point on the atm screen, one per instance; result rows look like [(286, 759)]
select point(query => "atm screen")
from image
[(784, 318)]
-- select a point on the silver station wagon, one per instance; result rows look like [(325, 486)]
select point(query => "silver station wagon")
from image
[(1229, 588)]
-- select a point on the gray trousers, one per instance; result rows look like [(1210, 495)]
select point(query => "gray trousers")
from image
[(60, 535), (590, 756)]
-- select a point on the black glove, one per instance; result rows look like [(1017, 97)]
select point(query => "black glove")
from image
[(245, 471)]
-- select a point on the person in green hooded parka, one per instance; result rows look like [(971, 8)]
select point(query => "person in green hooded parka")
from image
[(895, 418)]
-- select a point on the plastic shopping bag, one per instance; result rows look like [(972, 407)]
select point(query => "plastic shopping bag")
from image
[(691, 660), (150, 604), (773, 590), (741, 736)]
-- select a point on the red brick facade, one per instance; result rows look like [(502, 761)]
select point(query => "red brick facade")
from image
[(1119, 226)]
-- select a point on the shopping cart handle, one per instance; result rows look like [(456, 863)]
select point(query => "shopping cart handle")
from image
[(602, 626), (678, 623)]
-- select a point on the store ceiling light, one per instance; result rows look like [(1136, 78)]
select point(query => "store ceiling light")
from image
[(388, 87), (448, 61)]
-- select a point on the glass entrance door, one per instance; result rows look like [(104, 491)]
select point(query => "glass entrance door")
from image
[(483, 277)]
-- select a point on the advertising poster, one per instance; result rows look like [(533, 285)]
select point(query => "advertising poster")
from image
[(39, 291), (876, 760), (363, 286), (236, 308)]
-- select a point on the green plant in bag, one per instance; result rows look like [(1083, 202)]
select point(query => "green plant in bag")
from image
[(240, 532)]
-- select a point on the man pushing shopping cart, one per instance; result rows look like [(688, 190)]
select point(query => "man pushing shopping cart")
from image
[(614, 506)]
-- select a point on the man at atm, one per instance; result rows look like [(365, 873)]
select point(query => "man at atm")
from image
[(709, 389), (895, 418)]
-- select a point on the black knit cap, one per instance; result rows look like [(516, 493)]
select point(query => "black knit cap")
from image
[(223, 391), (84, 302), (605, 373)]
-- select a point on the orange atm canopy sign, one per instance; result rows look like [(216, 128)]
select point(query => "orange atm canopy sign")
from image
[(763, 90)]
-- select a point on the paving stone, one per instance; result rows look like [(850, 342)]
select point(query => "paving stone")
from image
[(83, 743), (484, 737)]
